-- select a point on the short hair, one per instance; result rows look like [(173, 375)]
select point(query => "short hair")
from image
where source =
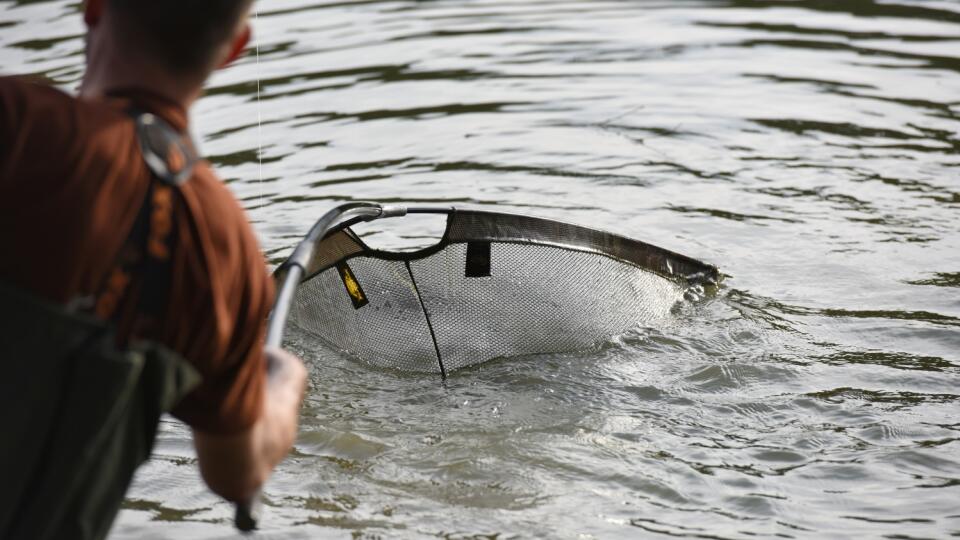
[(183, 34)]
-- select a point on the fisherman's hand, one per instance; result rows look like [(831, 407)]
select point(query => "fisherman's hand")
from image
[(235, 466), (286, 376)]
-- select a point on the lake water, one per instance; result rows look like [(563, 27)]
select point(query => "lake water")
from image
[(808, 148)]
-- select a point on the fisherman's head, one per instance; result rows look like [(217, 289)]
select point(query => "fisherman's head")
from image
[(185, 38)]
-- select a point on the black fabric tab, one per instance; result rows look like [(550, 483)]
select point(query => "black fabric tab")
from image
[(353, 287), (478, 259), (158, 273)]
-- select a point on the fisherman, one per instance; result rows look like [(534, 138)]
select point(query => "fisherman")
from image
[(106, 217)]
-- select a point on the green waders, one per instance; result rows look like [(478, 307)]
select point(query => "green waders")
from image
[(78, 415)]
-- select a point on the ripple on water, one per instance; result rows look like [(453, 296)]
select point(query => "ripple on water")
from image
[(807, 148)]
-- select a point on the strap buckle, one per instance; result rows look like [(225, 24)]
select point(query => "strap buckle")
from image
[(170, 155)]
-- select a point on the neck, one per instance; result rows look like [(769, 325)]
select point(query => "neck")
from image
[(113, 65)]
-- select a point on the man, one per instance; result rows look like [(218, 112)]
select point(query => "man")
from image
[(73, 183)]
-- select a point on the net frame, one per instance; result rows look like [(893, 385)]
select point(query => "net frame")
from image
[(340, 243)]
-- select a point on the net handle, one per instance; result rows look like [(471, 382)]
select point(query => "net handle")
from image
[(248, 513)]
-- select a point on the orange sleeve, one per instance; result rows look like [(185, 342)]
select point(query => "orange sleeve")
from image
[(221, 294)]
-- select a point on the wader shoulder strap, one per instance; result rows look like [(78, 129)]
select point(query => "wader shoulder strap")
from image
[(147, 252)]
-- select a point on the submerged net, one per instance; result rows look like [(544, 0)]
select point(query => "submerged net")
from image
[(496, 285)]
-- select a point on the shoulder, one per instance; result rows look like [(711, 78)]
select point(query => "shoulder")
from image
[(27, 106), (47, 117), (216, 210), (224, 238), (23, 91), (28, 98), (207, 183)]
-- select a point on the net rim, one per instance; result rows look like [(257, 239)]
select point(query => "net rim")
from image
[(645, 256)]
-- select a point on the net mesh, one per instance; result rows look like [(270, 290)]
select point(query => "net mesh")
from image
[(391, 331), (430, 312), (537, 299)]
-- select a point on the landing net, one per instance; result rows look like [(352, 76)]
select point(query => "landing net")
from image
[(496, 285)]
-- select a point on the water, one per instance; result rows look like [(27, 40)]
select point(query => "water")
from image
[(808, 148)]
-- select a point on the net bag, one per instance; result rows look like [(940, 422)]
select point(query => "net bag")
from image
[(496, 285)]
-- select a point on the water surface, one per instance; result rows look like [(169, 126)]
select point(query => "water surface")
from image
[(808, 148)]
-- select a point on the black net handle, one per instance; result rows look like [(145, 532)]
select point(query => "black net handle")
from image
[(247, 516)]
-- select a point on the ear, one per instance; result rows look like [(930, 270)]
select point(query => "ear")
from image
[(240, 42), (92, 11)]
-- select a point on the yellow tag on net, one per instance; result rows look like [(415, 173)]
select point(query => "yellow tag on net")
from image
[(357, 296)]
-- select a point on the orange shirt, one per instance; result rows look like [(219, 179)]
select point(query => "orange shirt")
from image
[(72, 181)]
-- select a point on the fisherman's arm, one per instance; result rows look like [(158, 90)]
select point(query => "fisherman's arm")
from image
[(244, 414), (235, 465)]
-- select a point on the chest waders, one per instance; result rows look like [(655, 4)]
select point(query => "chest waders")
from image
[(79, 413)]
